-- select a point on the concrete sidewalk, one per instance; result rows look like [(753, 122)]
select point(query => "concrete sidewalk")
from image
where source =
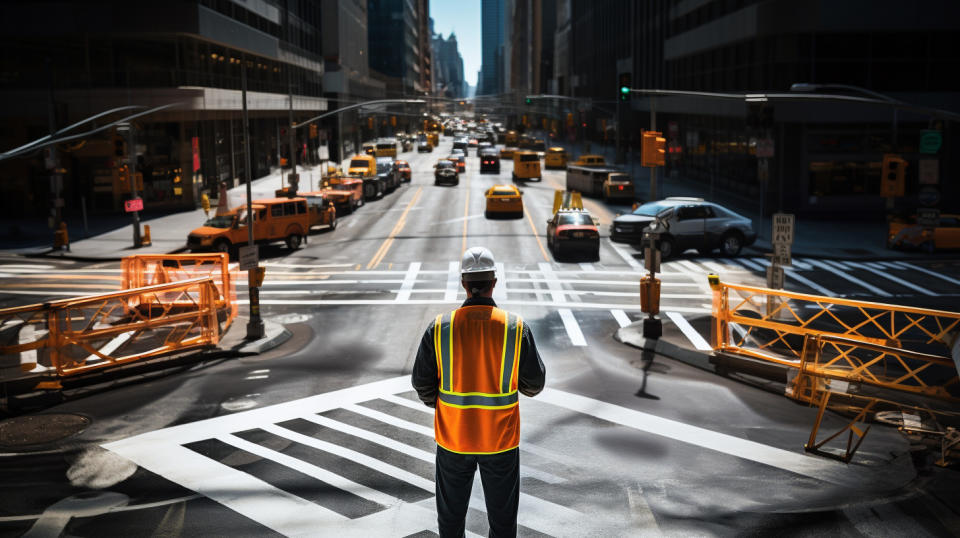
[(813, 237), (113, 237)]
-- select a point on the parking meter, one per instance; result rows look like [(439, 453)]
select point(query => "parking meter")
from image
[(650, 284)]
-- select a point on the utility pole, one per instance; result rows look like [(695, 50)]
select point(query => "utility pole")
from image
[(255, 324), (53, 159), (132, 159), (653, 169), (293, 180)]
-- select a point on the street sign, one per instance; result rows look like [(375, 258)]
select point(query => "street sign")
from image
[(783, 228), (781, 254), (929, 196), (323, 153), (135, 204), (775, 277), (249, 257), (928, 217), (928, 171), (765, 148), (930, 141)]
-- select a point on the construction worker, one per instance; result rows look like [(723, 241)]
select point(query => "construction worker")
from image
[(470, 365)]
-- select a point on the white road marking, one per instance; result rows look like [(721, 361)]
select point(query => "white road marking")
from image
[(500, 290), (801, 265), (806, 281), (820, 469), (255, 377), (934, 274), (408, 282), (836, 269), (111, 346), (688, 331), (622, 319), (694, 268), (453, 282), (526, 303), (749, 264), (556, 289), (27, 335), (317, 265), (572, 327), (886, 274), (627, 257), (716, 267)]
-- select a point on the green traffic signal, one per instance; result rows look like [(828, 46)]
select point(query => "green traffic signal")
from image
[(624, 89), (529, 100)]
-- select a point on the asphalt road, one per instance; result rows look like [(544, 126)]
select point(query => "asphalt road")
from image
[(323, 436)]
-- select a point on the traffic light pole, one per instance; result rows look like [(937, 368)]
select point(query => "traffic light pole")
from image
[(132, 175), (255, 324), (293, 180), (653, 169)]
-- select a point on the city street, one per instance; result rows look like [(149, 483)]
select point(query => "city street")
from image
[(323, 436)]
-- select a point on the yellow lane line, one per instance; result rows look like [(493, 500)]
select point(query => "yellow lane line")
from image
[(533, 228), (466, 214), (382, 251)]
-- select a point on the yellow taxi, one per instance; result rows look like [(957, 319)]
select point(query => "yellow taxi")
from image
[(507, 152), (908, 234), (526, 165), (590, 160), (504, 200), (556, 157), (510, 139)]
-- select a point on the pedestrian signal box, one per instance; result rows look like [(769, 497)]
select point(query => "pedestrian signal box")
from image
[(654, 149), (892, 174)]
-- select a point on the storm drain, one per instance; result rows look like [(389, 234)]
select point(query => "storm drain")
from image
[(40, 429)]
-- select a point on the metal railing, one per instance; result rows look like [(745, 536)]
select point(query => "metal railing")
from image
[(77, 335), (149, 269)]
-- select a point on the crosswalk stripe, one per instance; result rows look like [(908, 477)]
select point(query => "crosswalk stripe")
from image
[(631, 261), (749, 264), (500, 292), (843, 274), (520, 302), (310, 470), (622, 319), (934, 274), (556, 289), (688, 331), (587, 267), (892, 278), (389, 419), (572, 327), (409, 279), (382, 440), (453, 282), (807, 282), (716, 267), (821, 469)]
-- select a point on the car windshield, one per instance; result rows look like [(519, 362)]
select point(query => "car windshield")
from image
[(358, 163), (220, 221), (526, 158), (445, 164), (579, 219), (504, 192), (652, 209)]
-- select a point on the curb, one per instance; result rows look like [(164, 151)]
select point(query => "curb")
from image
[(80, 258), (632, 335), (274, 335)]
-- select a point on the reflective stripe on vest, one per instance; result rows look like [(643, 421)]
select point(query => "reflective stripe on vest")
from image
[(477, 409)]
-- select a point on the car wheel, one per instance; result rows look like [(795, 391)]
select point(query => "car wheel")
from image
[(731, 243), (667, 248), (293, 241), (436, 182), (513, 176), (222, 245), (360, 203)]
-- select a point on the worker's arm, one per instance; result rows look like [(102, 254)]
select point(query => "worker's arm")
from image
[(425, 377), (532, 373)]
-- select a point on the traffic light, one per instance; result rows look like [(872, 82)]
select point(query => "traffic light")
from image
[(314, 130), (393, 121), (654, 149), (626, 83), (370, 122), (569, 119), (892, 175), (529, 100), (119, 145)]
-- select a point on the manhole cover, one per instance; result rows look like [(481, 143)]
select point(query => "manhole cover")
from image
[(40, 429)]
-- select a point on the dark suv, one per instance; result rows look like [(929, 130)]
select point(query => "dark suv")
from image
[(445, 171), (489, 161), (387, 173)]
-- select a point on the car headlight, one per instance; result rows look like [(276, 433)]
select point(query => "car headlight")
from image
[(206, 240)]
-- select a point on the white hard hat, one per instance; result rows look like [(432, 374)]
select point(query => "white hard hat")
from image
[(477, 264)]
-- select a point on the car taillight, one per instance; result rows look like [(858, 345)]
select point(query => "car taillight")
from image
[(563, 233), (620, 188)]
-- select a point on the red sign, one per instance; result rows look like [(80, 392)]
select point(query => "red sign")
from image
[(195, 143), (133, 205)]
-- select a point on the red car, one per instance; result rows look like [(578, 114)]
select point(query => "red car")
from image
[(403, 168), (573, 231)]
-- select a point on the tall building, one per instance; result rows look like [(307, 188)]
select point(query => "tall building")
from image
[(532, 45), (65, 62), (493, 20), (425, 46), (826, 155), (448, 67), (392, 32)]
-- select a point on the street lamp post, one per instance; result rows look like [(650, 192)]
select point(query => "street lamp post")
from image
[(255, 329)]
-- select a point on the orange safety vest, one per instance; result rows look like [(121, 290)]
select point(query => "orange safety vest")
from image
[(478, 356)]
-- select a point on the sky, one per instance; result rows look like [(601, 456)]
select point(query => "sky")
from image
[(461, 17)]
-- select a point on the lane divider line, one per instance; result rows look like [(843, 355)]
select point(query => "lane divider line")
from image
[(382, 251)]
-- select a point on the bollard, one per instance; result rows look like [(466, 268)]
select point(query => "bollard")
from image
[(145, 237), (61, 239)]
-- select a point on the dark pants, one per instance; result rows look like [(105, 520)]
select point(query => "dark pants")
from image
[(500, 476)]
